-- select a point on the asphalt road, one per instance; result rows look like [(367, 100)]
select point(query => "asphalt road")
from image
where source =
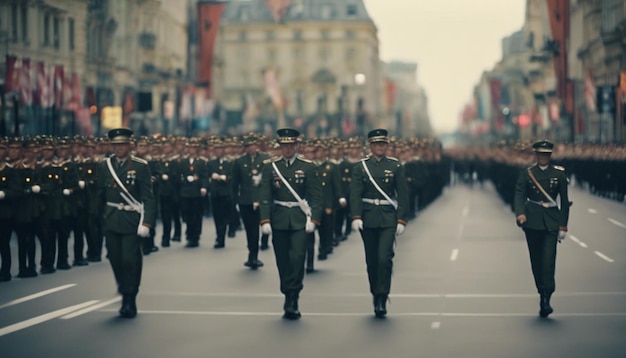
[(462, 287)]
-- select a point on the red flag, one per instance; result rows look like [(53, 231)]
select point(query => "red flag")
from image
[(59, 78), (43, 86), (278, 8), (209, 14), (26, 86), (12, 75), (75, 96)]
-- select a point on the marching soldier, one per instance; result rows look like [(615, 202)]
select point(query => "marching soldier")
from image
[(193, 191), (543, 220), (247, 173), (169, 192), (220, 170), (129, 206), (379, 205), (9, 191), (290, 207)]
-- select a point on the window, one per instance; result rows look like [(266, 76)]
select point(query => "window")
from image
[(271, 54), (350, 34), (24, 22), (270, 35), (297, 53), (46, 29), (243, 36), (612, 13), (56, 33), (244, 13), (324, 54), (71, 34), (325, 34), (352, 10), (350, 53)]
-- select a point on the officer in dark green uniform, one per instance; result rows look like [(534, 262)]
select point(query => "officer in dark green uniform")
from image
[(129, 207), (543, 219), (284, 216), (220, 179), (247, 173), (379, 207), (9, 192)]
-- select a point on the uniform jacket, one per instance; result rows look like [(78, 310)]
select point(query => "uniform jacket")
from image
[(302, 176), (10, 186), (29, 206), (244, 191), (389, 174), (221, 188), (538, 217), (135, 175), (56, 176), (331, 186), (169, 188), (198, 171)]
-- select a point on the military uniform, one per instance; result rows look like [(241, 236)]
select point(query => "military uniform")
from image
[(169, 196), (123, 220), (380, 221), (278, 208), (542, 219), (220, 174), (246, 180), (330, 181), (9, 191), (193, 179)]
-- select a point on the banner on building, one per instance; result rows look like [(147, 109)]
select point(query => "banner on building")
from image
[(272, 88), (112, 117), (11, 77), (209, 14), (278, 8), (590, 92), (59, 81), (75, 97), (26, 86), (390, 94)]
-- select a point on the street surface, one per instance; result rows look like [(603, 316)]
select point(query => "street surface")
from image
[(462, 287)]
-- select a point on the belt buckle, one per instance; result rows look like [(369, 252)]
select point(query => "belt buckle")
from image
[(376, 201), (545, 205), (289, 204)]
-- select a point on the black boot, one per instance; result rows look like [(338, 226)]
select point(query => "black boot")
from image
[(380, 306), (291, 306), (544, 305), (129, 307)]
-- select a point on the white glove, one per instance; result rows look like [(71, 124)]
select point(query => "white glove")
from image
[(81, 184), (66, 192), (202, 191), (2, 194), (562, 235), (343, 202), (35, 189), (399, 229), (222, 177), (190, 178), (164, 177), (357, 224), (215, 176), (309, 227), (256, 179), (143, 231), (255, 205), (266, 229)]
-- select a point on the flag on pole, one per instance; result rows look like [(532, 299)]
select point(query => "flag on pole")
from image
[(26, 86)]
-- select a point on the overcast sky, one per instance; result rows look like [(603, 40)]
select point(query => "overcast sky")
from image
[(453, 42)]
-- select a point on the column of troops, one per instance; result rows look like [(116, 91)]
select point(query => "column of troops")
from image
[(48, 192), (598, 168)]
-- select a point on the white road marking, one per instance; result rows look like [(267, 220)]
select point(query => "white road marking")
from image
[(615, 222), (575, 239), (435, 325), (592, 211), (603, 256), (391, 314), (37, 295), (455, 254), (91, 308), (43, 318)]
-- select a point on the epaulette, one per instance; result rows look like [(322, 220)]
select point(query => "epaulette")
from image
[(304, 159), (558, 167), (392, 158), (138, 160), (271, 160)]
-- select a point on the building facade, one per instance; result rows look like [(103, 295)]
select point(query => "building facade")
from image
[(313, 64)]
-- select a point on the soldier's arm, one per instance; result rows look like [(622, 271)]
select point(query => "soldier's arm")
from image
[(337, 188), (314, 194), (402, 193), (564, 212), (265, 195), (519, 202), (146, 195), (235, 180), (356, 190)]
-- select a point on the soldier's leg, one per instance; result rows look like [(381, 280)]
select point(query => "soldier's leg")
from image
[(6, 227), (547, 259), (326, 236), (250, 218), (80, 232), (220, 217), (385, 254), (371, 244), (131, 263), (166, 219), (310, 252), (63, 234), (175, 206), (533, 240), (234, 219), (280, 241), (297, 252), (114, 254), (44, 230)]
